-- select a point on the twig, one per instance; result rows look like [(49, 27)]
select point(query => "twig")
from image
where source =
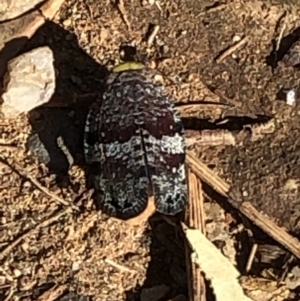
[(6, 274), (251, 257), (209, 138), (90, 11), (276, 232), (118, 266), (212, 9), (49, 193), (10, 294), (262, 221), (194, 218), (230, 50), (281, 33), (35, 182), (207, 175), (9, 146), (199, 105), (153, 35), (123, 13), (53, 294), (45, 223)]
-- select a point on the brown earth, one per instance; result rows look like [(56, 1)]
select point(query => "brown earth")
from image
[(106, 259)]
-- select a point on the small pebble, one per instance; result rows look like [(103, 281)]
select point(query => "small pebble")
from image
[(67, 22), (76, 266), (236, 38), (290, 98)]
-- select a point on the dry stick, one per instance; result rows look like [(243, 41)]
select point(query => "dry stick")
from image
[(262, 221), (230, 50), (153, 35), (281, 32), (212, 9), (10, 294), (45, 223), (35, 182), (123, 13), (207, 175), (209, 138), (50, 194), (251, 257), (118, 266), (271, 228), (9, 146), (195, 219), (53, 294)]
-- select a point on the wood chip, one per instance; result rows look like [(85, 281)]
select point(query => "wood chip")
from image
[(216, 267), (194, 218)]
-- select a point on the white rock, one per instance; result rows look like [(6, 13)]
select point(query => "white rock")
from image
[(12, 9), (29, 82)]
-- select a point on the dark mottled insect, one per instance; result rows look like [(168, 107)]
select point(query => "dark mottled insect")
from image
[(137, 138)]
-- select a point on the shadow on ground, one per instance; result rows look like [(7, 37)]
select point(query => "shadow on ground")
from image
[(57, 128), (56, 141), (286, 43), (166, 271)]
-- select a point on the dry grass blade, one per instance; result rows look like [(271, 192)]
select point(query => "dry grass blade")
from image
[(262, 221), (194, 218)]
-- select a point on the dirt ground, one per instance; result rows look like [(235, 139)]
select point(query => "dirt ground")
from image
[(105, 259)]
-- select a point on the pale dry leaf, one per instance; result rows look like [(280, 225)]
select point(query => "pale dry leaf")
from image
[(216, 267), (29, 82)]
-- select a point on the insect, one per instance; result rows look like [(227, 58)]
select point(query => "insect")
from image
[(136, 138)]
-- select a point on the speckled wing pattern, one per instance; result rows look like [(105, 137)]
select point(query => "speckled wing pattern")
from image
[(137, 137)]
